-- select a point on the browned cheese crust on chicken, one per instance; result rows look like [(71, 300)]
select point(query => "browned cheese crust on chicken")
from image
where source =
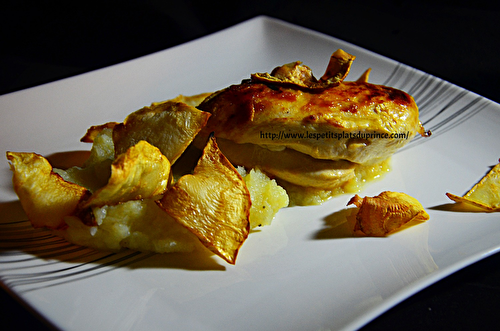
[(307, 131)]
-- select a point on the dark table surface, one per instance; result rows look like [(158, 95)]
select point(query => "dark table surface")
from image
[(454, 40)]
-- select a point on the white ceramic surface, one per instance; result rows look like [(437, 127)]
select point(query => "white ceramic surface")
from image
[(296, 274)]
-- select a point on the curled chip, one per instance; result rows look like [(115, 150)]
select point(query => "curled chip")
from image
[(297, 74), (141, 172), (485, 194), (45, 196), (191, 100), (213, 203), (385, 213), (170, 125), (96, 170), (95, 130)]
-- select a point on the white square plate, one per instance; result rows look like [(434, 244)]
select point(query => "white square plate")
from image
[(296, 274)]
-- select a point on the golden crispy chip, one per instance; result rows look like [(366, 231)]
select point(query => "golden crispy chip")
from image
[(171, 126), (294, 73), (94, 130), (338, 67), (141, 172), (365, 76), (300, 75), (96, 170), (45, 196), (485, 194), (385, 213), (213, 203)]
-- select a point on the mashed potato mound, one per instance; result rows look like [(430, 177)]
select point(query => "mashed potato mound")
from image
[(139, 225), (266, 195)]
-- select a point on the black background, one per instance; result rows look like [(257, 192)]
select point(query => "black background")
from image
[(458, 41)]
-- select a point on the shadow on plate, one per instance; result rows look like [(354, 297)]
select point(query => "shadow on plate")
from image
[(338, 225), (341, 225), (20, 243), (461, 208)]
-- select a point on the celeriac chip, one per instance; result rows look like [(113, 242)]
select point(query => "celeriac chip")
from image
[(295, 73), (95, 130), (141, 172), (485, 194), (171, 126), (213, 203), (385, 213), (96, 170), (45, 196)]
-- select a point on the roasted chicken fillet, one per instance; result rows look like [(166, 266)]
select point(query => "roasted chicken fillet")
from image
[(311, 132), (276, 117)]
